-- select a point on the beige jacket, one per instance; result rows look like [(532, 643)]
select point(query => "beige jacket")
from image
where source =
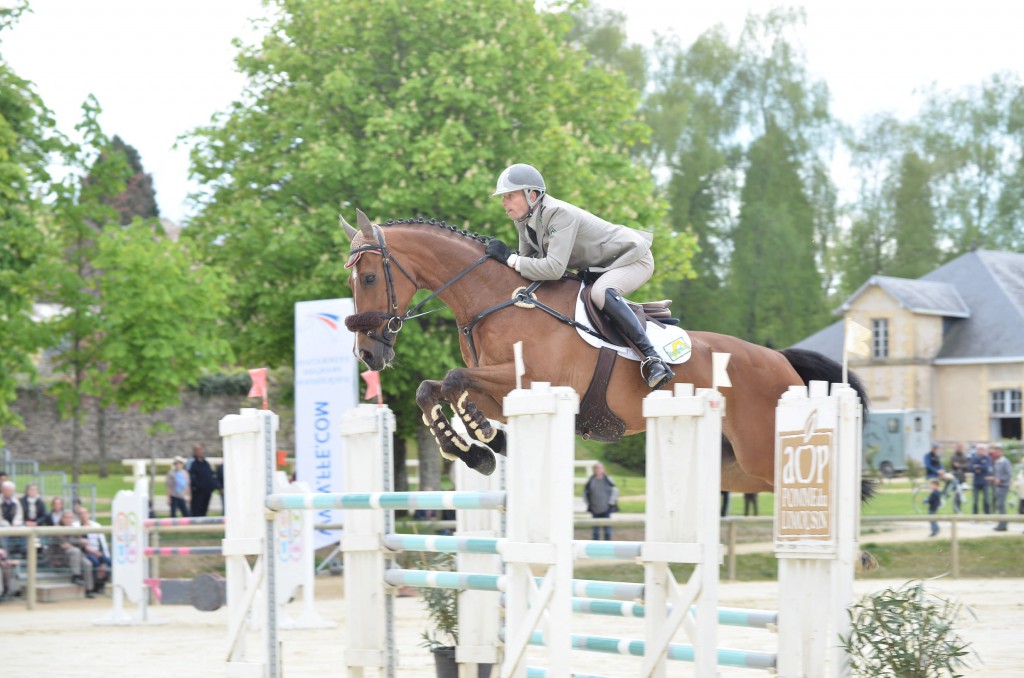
[(572, 238)]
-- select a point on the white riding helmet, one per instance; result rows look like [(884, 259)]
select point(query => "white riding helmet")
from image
[(521, 177)]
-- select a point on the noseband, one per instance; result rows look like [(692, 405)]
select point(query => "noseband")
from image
[(368, 322)]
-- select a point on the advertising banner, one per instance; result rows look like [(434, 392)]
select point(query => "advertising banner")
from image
[(325, 387)]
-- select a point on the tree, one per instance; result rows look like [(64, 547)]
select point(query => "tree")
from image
[(138, 199), (28, 138), (403, 109), (775, 287), (917, 252), (138, 319)]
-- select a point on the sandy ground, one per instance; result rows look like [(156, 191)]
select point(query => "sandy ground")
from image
[(60, 639)]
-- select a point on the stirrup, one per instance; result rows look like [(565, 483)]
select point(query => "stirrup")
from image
[(658, 382)]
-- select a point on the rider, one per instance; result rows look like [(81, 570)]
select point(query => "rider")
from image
[(554, 236)]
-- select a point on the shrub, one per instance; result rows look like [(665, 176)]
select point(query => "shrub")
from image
[(905, 632), (630, 452)]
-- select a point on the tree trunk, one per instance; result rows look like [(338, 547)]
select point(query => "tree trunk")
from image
[(101, 437), (430, 460), (76, 437)]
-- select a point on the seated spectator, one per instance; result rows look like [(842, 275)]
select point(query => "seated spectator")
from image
[(11, 515), (56, 511), (96, 551), (67, 551), (32, 506)]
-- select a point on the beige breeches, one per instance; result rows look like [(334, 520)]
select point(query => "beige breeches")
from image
[(623, 280)]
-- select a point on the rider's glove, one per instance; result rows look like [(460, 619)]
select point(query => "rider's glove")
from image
[(496, 249)]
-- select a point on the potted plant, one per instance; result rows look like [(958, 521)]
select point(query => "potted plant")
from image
[(443, 615)]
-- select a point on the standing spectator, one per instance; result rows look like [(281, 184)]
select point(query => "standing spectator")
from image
[(56, 511), (958, 464), (933, 463), (66, 551), (220, 484), (11, 515), (178, 488), (95, 550), (202, 479), (33, 507), (601, 497), (934, 502), (750, 503), (1002, 475), (981, 469)]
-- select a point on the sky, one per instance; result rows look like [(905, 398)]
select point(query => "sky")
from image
[(162, 68)]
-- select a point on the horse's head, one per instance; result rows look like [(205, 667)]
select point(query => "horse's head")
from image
[(380, 296)]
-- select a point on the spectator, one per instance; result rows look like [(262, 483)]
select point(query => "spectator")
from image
[(202, 480), (601, 497), (1002, 476), (933, 463), (981, 469), (934, 502), (11, 515), (33, 507), (56, 511), (220, 484), (750, 503), (96, 551), (178, 488), (67, 551), (958, 464), (5, 574)]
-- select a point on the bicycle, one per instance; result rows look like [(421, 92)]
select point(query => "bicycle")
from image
[(951, 489)]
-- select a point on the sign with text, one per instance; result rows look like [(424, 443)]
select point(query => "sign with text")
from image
[(325, 387), (805, 477)]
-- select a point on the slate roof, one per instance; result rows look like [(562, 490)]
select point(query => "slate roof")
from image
[(981, 294)]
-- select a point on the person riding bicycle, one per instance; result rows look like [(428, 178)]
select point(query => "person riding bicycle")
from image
[(555, 236)]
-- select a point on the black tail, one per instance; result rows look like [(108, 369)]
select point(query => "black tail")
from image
[(813, 366)]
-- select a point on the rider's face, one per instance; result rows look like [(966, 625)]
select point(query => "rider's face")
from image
[(515, 205)]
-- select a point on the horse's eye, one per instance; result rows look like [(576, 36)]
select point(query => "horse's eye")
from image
[(369, 278)]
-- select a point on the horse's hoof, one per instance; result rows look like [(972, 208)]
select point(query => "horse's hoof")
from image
[(480, 459), (499, 444)]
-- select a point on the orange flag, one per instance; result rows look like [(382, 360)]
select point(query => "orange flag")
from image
[(259, 384), (372, 380)]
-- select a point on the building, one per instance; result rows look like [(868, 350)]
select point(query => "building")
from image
[(951, 341)]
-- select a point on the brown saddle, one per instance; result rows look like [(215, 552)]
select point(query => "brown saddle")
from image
[(648, 311)]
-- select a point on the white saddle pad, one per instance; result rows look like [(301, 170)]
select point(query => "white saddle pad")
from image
[(671, 342)]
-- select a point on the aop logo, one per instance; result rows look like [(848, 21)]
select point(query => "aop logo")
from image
[(805, 488)]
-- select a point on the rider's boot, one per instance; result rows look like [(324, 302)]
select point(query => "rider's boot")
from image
[(616, 308)]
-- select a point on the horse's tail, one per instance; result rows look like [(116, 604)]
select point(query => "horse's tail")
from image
[(813, 366)]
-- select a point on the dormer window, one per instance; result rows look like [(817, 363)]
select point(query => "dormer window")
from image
[(879, 338)]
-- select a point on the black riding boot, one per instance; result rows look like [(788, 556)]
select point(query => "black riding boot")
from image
[(616, 308)]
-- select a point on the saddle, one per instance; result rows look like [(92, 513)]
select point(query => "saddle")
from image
[(649, 311)]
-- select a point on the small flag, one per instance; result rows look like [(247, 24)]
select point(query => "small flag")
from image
[(259, 384), (719, 375), (517, 351), (372, 380), (857, 339)]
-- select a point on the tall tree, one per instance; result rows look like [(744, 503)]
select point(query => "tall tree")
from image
[(917, 251), (28, 140), (138, 199), (775, 287), (361, 103)]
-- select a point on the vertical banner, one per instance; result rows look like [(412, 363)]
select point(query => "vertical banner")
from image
[(325, 387)]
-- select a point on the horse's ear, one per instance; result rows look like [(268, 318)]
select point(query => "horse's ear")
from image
[(349, 231), (364, 224)]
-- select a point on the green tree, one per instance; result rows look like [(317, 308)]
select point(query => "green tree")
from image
[(775, 287), (28, 139), (917, 251), (138, 319), (403, 109)]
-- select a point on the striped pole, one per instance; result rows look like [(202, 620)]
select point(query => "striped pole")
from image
[(745, 659), (727, 616), (443, 544), (183, 551), (175, 522), (387, 500), (464, 581), (537, 672)]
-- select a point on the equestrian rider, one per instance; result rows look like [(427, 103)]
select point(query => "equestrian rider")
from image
[(554, 236)]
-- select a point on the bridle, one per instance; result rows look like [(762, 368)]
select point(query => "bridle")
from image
[(394, 322)]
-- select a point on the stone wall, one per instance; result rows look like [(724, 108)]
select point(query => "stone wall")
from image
[(47, 438)]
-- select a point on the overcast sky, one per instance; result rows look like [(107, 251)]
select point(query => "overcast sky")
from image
[(160, 69)]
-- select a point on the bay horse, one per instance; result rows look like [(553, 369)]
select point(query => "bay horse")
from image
[(390, 262)]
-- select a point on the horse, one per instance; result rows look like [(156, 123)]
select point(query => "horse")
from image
[(390, 262)]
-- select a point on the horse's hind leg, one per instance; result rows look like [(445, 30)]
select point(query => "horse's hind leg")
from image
[(453, 446)]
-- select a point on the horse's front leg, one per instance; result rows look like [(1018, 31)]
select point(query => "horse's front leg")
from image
[(452, 445), (476, 392)]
